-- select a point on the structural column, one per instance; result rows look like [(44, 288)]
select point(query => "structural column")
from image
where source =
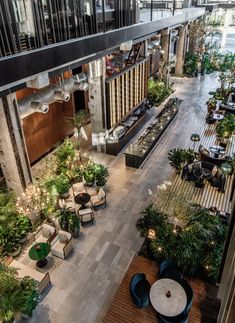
[(13, 153), (165, 44), (180, 50), (97, 70)]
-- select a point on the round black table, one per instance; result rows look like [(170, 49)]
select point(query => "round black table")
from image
[(217, 150), (202, 173), (82, 198), (38, 252)]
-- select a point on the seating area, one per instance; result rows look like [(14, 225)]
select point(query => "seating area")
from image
[(202, 304)]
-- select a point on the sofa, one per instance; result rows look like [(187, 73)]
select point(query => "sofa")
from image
[(205, 155), (43, 279), (62, 244), (45, 234)]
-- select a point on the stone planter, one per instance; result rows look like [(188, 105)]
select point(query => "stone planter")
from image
[(16, 252), (23, 240)]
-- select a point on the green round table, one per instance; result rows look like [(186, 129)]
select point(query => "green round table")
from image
[(38, 252)]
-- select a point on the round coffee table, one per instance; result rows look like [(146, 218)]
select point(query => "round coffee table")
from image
[(82, 198), (38, 252), (168, 297), (202, 173)]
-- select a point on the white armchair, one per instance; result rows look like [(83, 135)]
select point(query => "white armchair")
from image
[(99, 198), (86, 215), (45, 234), (78, 188), (62, 244)]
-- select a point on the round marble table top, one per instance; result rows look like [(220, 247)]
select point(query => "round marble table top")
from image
[(168, 306)]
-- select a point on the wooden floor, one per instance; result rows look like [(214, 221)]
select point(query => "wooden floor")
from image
[(205, 306), (209, 196)]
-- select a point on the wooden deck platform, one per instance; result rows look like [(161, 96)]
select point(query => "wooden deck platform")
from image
[(209, 196), (205, 306)]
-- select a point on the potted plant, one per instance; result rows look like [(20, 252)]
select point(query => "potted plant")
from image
[(63, 152), (101, 174), (211, 105), (24, 226), (190, 156), (74, 225), (89, 174), (30, 292), (18, 295), (62, 185), (177, 158), (63, 216), (226, 126), (11, 295)]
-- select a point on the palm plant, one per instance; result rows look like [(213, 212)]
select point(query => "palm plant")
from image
[(81, 119)]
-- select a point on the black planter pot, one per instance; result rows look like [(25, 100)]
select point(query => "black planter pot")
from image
[(203, 72), (64, 225), (196, 73)]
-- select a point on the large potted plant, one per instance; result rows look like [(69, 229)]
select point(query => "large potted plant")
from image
[(63, 216), (89, 174), (74, 225), (63, 152), (101, 174), (177, 158), (62, 185), (226, 127), (211, 105), (24, 226), (18, 296), (30, 292)]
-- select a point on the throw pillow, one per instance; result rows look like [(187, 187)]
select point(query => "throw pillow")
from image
[(190, 168), (46, 233), (63, 238), (218, 173), (214, 171), (205, 152)]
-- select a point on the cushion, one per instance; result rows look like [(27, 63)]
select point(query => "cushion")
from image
[(214, 170), (190, 168), (142, 288), (100, 195), (197, 165), (63, 238), (205, 152), (46, 233), (218, 173)]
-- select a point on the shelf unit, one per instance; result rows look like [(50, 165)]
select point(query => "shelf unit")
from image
[(125, 91)]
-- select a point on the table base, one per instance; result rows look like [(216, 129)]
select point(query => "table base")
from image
[(42, 263)]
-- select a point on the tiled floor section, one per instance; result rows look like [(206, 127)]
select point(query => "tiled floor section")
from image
[(85, 283)]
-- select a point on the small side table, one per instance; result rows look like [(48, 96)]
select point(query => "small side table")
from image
[(38, 252), (82, 199)]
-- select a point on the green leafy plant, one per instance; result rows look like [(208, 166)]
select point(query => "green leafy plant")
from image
[(177, 158), (101, 174), (191, 64), (196, 244), (16, 295), (89, 173), (81, 119), (62, 184), (211, 105), (63, 152), (74, 225), (65, 218), (158, 91), (226, 126), (30, 292)]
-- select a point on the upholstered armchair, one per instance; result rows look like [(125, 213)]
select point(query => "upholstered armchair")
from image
[(99, 198), (62, 244), (78, 188), (45, 234), (139, 289)]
